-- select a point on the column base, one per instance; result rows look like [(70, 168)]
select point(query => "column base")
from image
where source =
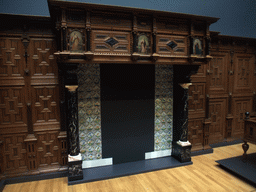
[(181, 151), (75, 171)]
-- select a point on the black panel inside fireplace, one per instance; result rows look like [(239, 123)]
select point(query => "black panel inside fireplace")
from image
[(127, 111)]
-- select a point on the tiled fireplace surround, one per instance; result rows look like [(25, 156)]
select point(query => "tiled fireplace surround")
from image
[(89, 114), (84, 115)]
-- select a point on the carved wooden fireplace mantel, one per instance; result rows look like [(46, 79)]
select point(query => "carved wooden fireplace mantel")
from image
[(91, 33)]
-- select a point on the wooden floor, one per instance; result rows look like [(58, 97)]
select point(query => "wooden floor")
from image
[(203, 176)]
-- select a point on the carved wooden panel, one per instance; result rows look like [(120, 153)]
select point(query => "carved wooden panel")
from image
[(64, 151), (75, 17), (217, 114), (199, 28), (14, 152), (200, 76), (31, 155), (196, 100), (20, 154), (217, 70), (110, 42), (243, 74), (169, 26), (10, 57), (12, 108), (48, 148), (45, 104), (195, 133), (43, 61), (250, 130), (118, 22), (240, 107), (144, 23), (171, 45)]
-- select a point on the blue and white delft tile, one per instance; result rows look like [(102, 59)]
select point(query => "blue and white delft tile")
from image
[(163, 109)]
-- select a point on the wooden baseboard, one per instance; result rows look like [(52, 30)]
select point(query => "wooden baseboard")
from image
[(226, 143), (28, 178)]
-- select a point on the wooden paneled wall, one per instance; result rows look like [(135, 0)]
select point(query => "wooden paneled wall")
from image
[(222, 91), (31, 140)]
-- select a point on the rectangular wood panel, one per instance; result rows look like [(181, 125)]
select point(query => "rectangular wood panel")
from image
[(14, 153), (48, 152), (217, 113), (195, 133), (12, 108), (243, 76), (200, 76), (111, 21), (111, 42), (217, 70), (171, 45), (241, 105), (11, 61), (196, 100), (45, 105)]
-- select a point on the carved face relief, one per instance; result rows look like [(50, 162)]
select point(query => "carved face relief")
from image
[(143, 44), (197, 47), (76, 41)]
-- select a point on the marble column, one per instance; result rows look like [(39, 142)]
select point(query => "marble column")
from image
[(74, 158), (182, 147)]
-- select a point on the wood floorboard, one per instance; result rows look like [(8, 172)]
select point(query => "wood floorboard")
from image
[(204, 175)]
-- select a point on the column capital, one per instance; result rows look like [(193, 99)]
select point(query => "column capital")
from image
[(71, 88), (185, 85)]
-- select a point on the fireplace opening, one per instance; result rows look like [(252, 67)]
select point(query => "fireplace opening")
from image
[(127, 111)]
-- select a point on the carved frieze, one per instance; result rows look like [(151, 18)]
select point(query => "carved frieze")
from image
[(199, 28), (111, 21), (75, 16), (172, 26), (144, 24)]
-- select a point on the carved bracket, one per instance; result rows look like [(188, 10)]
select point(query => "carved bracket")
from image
[(155, 56), (135, 56)]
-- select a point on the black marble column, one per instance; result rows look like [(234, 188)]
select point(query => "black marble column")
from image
[(74, 160), (184, 117), (73, 121), (181, 147)]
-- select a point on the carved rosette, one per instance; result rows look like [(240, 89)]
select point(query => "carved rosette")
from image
[(73, 121)]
